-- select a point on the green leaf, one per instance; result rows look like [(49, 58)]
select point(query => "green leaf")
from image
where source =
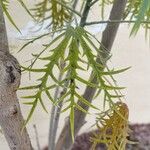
[(29, 87), (113, 72), (109, 87), (33, 70), (98, 93), (116, 96), (63, 97), (49, 96), (29, 97), (4, 7), (57, 38), (25, 7), (81, 109), (42, 104), (70, 48), (32, 41), (28, 103), (145, 6), (65, 109), (30, 113), (49, 87), (85, 101), (87, 82)]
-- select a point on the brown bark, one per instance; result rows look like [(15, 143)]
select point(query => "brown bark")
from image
[(107, 41), (11, 120)]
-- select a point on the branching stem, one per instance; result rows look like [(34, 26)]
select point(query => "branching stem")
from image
[(113, 21), (108, 38), (61, 143), (55, 112)]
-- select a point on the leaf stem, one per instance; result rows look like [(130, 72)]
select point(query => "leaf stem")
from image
[(85, 13), (55, 112), (114, 21), (62, 143), (107, 41), (52, 134)]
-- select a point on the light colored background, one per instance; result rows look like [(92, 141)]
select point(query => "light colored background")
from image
[(133, 51)]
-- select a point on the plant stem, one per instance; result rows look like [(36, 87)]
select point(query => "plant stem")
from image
[(61, 139), (55, 112), (92, 3), (107, 41), (37, 137), (85, 13), (51, 141), (113, 21)]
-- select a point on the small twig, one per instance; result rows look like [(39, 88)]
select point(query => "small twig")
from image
[(92, 3), (82, 6), (55, 113), (108, 37), (37, 137), (85, 13), (58, 110), (61, 142), (52, 130), (113, 21)]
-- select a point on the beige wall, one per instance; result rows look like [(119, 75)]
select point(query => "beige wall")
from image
[(133, 51)]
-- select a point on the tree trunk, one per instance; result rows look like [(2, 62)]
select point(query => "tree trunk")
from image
[(108, 37), (11, 120)]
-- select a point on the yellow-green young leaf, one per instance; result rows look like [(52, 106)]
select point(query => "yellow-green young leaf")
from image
[(56, 11), (113, 131)]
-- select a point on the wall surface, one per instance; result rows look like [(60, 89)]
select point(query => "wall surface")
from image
[(133, 51)]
